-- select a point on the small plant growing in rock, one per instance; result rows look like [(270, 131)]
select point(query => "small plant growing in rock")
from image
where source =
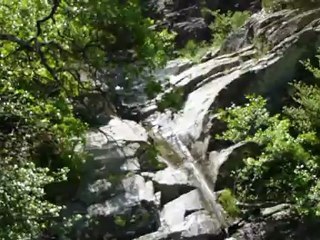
[(287, 168), (194, 51), (173, 100), (229, 203), (262, 46), (152, 88), (120, 221)]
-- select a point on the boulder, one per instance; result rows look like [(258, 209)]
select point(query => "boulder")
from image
[(174, 212), (186, 18), (117, 130), (173, 68), (278, 225), (194, 28), (198, 225), (239, 5), (172, 183), (222, 163), (112, 190), (134, 190)]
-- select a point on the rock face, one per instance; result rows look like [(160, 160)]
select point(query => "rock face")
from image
[(187, 18), (260, 58), (184, 18), (125, 201), (278, 226), (113, 187), (224, 79), (165, 199), (172, 183)]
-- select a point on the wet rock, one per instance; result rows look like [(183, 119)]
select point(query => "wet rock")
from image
[(199, 225), (131, 165), (117, 130), (173, 67), (109, 188), (286, 227)]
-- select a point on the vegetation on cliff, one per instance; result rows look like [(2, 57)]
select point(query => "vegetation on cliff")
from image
[(287, 169), (53, 52)]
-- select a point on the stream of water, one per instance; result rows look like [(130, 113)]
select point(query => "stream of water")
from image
[(189, 163)]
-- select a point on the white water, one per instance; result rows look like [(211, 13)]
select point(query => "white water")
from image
[(206, 189)]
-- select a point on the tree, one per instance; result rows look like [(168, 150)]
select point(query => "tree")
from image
[(287, 170), (51, 52)]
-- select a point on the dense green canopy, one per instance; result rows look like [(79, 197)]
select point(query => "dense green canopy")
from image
[(51, 51)]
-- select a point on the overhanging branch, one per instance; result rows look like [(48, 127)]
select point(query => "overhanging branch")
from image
[(50, 16), (15, 39)]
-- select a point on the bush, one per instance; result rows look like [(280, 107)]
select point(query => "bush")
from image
[(43, 61), (173, 100), (222, 26), (229, 203), (37, 140), (287, 170), (194, 51), (225, 23)]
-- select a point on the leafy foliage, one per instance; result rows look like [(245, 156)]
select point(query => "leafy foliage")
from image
[(24, 213), (194, 51), (50, 53), (173, 100), (34, 136), (287, 170), (225, 23), (229, 203), (153, 88), (221, 27)]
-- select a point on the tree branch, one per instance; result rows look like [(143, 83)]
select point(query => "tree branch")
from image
[(53, 11), (15, 39)]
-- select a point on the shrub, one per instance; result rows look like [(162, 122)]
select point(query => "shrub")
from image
[(225, 23), (287, 170), (43, 61), (173, 100), (194, 51), (152, 88), (229, 203)]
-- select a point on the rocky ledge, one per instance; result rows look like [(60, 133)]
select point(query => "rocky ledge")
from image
[(159, 178)]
